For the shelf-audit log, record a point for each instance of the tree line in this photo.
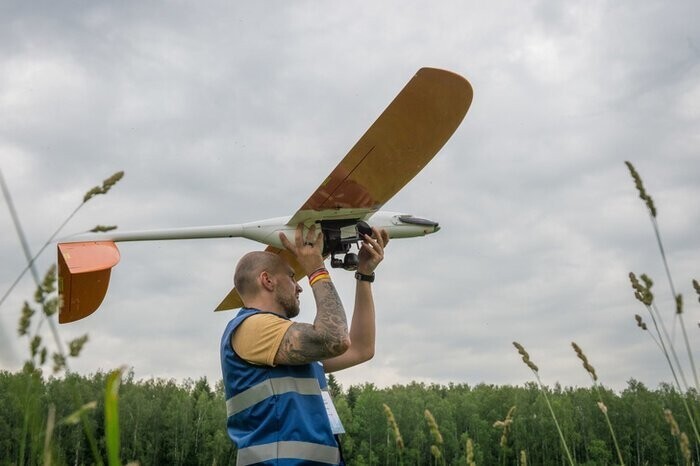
(166, 422)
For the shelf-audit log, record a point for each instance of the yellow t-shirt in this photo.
(258, 338)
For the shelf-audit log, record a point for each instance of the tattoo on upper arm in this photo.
(327, 337)
(299, 346)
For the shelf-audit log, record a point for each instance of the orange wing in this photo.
(405, 137)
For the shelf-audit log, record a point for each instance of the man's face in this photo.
(287, 292)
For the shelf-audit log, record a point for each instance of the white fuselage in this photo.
(267, 231)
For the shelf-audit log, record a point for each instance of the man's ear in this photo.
(266, 281)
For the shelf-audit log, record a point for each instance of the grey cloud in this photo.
(235, 112)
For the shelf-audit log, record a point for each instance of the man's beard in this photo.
(290, 304)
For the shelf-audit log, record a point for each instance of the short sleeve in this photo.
(258, 338)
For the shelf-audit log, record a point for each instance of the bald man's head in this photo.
(249, 269)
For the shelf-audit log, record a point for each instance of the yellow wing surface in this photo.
(405, 137)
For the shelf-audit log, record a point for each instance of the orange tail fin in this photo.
(83, 277)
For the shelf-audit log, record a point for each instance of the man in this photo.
(278, 407)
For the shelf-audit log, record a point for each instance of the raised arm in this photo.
(362, 329)
(328, 336)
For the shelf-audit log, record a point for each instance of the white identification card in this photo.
(336, 425)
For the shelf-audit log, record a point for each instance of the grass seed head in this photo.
(584, 359)
(92, 193)
(106, 186)
(435, 451)
(675, 431)
(640, 322)
(59, 362)
(112, 180)
(505, 425)
(696, 285)
(470, 452)
(75, 417)
(432, 424)
(526, 356)
(602, 407)
(34, 345)
(103, 228)
(48, 286)
(642, 292)
(50, 306)
(679, 303)
(76, 345)
(523, 458)
(25, 320)
(591, 370)
(685, 447)
(643, 195)
(394, 426)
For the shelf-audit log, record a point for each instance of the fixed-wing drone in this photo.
(405, 137)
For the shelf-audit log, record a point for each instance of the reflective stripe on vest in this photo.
(268, 388)
(298, 450)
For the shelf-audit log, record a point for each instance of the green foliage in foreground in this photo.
(163, 422)
(160, 421)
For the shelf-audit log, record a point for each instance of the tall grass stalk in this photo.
(504, 425)
(535, 370)
(683, 442)
(107, 184)
(645, 296)
(470, 452)
(604, 409)
(49, 305)
(30, 259)
(50, 422)
(112, 417)
(394, 427)
(436, 447)
(45, 297)
(651, 209)
(80, 416)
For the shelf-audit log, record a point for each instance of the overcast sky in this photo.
(227, 112)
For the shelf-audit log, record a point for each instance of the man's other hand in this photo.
(372, 251)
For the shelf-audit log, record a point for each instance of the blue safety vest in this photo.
(276, 415)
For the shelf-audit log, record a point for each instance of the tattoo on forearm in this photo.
(304, 343)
